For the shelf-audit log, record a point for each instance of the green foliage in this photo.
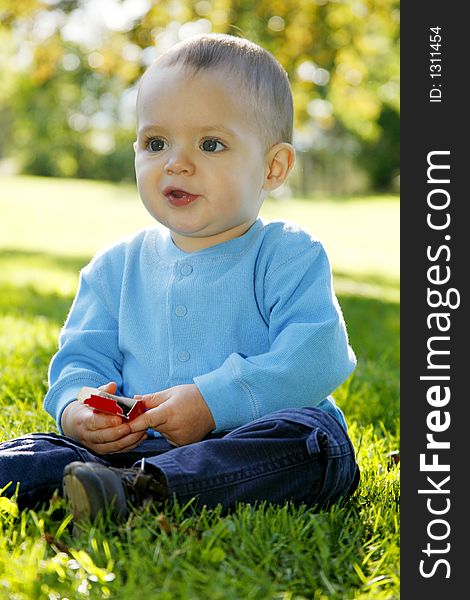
(258, 552)
(342, 58)
(381, 157)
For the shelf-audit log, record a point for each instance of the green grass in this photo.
(48, 230)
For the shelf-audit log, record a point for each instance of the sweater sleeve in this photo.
(88, 352)
(309, 355)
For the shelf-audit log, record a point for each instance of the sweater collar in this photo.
(168, 250)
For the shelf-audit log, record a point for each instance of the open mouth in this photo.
(179, 197)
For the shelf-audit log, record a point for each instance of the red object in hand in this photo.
(127, 408)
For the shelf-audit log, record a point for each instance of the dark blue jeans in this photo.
(301, 455)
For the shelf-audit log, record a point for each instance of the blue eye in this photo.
(156, 145)
(212, 145)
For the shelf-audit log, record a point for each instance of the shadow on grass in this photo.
(372, 393)
(28, 301)
(44, 259)
(377, 279)
(373, 326)
(32, 299)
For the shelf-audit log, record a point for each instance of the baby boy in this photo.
(224, 326)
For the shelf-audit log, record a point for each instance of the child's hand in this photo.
(179, 413)
(99, 431)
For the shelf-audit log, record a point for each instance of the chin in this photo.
(189, 230)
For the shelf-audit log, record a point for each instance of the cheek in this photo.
(147, 180)
(146, 168)
(250, 181)
(243, 176)
(139, 171)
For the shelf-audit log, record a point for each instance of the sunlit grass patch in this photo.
(34, 563)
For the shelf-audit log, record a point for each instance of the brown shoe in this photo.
(93, 488)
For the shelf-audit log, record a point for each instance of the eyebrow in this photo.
(202, 128)
(222, 128)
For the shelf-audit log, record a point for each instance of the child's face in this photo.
(200, 162)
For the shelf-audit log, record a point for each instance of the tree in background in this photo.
(69, 70)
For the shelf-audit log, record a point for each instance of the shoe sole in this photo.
(93, 490)
(77, 496)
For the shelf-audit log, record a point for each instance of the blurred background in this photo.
(69, 71)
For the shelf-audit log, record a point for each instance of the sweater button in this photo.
(180, 311)
(186, 270)
(183, 355)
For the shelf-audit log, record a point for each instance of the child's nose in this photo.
(179, 163)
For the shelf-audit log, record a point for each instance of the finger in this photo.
(107, 437)
(143, 436)
(155, 417)
(127, 443)
(110, 387)
(152, 400)
(107, 434)
(100, 420)
(122, 445)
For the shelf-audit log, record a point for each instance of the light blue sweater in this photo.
(253, 322)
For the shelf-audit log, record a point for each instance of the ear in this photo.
(279, 162)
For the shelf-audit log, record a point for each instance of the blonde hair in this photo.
(259, 73)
